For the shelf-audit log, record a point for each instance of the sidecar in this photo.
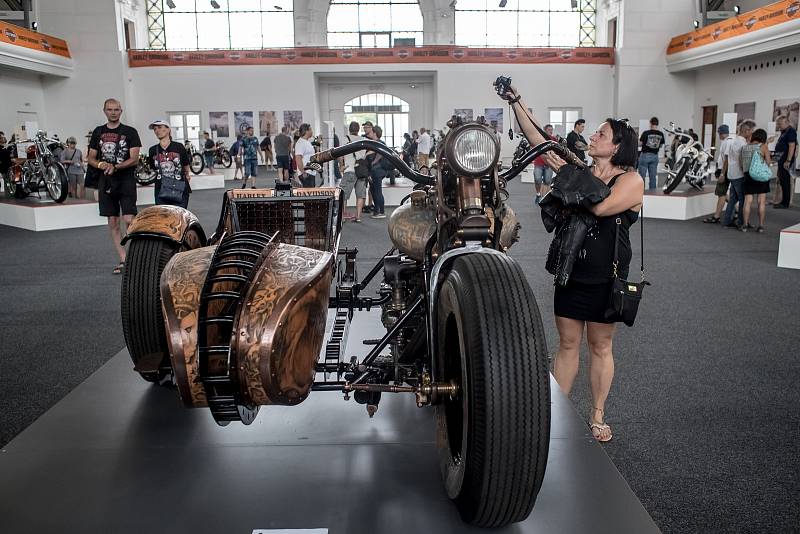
(239, 318)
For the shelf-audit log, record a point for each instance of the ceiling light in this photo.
(171, 4)
(696, 24)
(215, 4)
(737, 9)
(35, 26)
(574, 4)
(503, 3)
(279, 8)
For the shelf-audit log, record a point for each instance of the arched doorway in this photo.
(384, 110)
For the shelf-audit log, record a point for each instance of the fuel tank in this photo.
(412, 225)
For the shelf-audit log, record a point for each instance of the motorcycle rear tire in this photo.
(227, 161)
(142, 318)
(674, 180)
(59, 189)
(143, 177)
(494, 436)
(198, 163)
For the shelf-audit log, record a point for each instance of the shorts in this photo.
(348, 183)
(361, 187)
(115, 195)
(284, 162)
(75, 178)
(251, 167)
(422, 159)
(209, 158)
(542, 175)
(238, 161)
(754, 187)
(722, 188)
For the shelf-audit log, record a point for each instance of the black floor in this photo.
(322, 464)
(704, 403)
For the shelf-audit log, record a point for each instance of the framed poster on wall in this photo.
(267, 123)
(464, 113)
(787, 107)
(494, 118)
(293, 119)
(745, 110)
(218, 121)
(242, 120)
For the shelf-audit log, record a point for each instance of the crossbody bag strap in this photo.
(641, 233)
(617, 222)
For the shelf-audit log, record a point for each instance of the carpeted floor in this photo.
(705, 397)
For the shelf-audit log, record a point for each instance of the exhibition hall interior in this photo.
(393, 266)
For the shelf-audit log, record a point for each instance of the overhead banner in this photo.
(754, 20)
(327, 56)
(18, 36)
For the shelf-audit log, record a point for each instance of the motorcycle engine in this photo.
(403, 279)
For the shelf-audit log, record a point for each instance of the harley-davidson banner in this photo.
(326, 56)
(754, 20)
(18, 36)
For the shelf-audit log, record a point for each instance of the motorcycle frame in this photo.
(36, 167)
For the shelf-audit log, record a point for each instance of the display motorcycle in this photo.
(40, 169)
(145, 173)
(222, 156)
(239, 319)
(687, 159)
(198, 163)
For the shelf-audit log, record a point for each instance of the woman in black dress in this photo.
(581, 305)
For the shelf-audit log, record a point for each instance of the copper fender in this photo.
(281, 325)
(169, 222)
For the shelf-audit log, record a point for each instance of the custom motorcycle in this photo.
(40, 169)
(222, 156)
(238, 320)
(145, 173)
(198, 163)
(687, 159)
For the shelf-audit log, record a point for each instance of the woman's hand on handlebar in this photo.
(554, 161)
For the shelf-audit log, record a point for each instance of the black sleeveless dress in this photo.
(585, 297)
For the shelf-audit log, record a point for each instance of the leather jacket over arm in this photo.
(565, 212)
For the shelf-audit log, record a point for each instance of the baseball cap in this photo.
(723, 129)
(368, 123)
(157, 123)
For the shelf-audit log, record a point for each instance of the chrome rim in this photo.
(53, 182)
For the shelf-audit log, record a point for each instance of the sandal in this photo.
(711, 220)
(118, 268)
(602, 429)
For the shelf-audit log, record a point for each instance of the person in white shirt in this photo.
(303, 150)
(423, 148)
(722, 184)
(349, 179)
(732, 171)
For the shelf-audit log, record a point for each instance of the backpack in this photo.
(235, 149)
(361, 168)
(759, 170)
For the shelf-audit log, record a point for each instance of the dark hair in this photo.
(378, 131)
(546, 126)
(579, 121)
(354, 127)
(625, 138)
(759, 136)
(304, 128)
(654, 121)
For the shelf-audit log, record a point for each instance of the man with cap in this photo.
(722, 183)
(170, 161)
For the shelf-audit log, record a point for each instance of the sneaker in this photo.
(749, 226)
(760, 229)
(378, 216)
(357, 220)
(744, 229)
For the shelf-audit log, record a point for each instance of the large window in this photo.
(525, 23)
(386, 111)
(374, 23)
(220, 24)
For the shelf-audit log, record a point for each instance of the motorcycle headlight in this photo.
(473, 151)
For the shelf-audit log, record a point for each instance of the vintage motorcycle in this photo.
(222, 156)
(145, 173)
(239, 319)
(39, 169)
(198, 163)
(687, 159)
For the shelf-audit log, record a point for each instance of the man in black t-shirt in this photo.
(171, 161)
(575, 141)
(651, 140)
(209, 151)
(787, 148)
(114, 150)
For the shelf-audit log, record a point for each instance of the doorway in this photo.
(381, 109)
(709, 132)
(185, 125)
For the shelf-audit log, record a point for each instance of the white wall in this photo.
(719, 86)
(22, 91)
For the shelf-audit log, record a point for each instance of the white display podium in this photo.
(679, 205)
(526, 176)
(789, 248)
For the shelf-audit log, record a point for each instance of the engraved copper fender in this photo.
(172, 222)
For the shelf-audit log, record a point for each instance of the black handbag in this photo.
(625, 297)
(172, 191)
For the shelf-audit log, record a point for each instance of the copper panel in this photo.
(280, 327)
(181, 287)
(169, 221)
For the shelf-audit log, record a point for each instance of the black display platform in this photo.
(120, 455)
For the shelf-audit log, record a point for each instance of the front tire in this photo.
(494, 437)
(56, 181)
(198, 163)
(673, 180)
